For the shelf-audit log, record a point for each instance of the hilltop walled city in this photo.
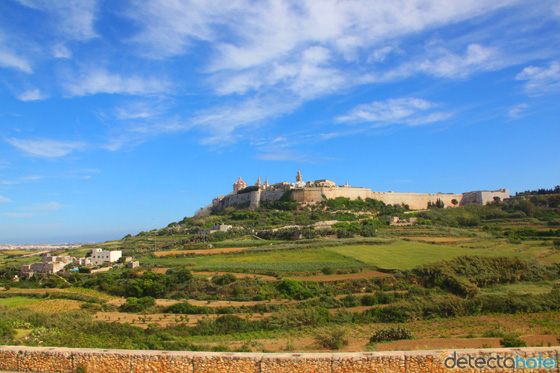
(312, 192)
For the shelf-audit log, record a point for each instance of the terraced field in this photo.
(407, 254)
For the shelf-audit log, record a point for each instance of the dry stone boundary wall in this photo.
(52, 359)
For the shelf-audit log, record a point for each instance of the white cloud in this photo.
(47, 148)
(541, 79)
(380, 54)
(21, 180)
(171, 26)
(48, 206)
(141, 110)
(83, 174)
(10, 60)
(221, 122)
(517, 110)
(102, 81)
(61, 51)
(74, 18)
(410, 111)
(450, 65)
(31, 95)
(4, 199)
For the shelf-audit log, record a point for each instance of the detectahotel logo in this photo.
(496, 361)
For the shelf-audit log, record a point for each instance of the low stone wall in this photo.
(51, 359)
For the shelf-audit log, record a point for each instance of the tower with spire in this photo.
(258, 183)
(299, 179)
(266, 184)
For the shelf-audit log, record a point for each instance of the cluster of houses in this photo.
(54, 264)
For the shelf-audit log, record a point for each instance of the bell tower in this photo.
(299, 179)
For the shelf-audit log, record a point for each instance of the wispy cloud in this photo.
(4, 199)
(61, 51)
(517, 110)
(47, 148)
(31, 95)
(48, 206)
(142, 109)
(410, 111)
(21, 180)
(221, 122)
(73, 18)
(451, 65)
(13, 61)
(84, 174)
(101, 81)
(541, 79)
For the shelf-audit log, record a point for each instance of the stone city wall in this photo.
(483, 197)
(416, 201)
(51, 359)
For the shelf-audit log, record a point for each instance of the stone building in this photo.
(48, 265)
(99, 256)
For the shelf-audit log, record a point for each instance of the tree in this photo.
(454, 202)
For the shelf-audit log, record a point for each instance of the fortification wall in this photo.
(416, 201)
(348, 192)
(234, 199)
(308, 195)
(272, 195)
(483, 197)
(50, 359)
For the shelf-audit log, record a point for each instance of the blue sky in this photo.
(117, 117)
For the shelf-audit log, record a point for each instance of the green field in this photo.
(407, 254)
(17, 301)
(284, 261)
(391, 255)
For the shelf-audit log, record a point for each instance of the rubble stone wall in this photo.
(52, 359)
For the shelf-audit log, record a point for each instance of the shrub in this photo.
(350, 301)
(137, 304)
(332, 337)
(6, 332)
(186, 308)
(495, 333)
(225, 279)
(511, 341)
(369, 300)
(390, 334)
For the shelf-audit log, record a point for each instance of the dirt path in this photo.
(346, 276)
(238, 275)
(223, 250)
(164, 319)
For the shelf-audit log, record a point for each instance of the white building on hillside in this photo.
(98, 256)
